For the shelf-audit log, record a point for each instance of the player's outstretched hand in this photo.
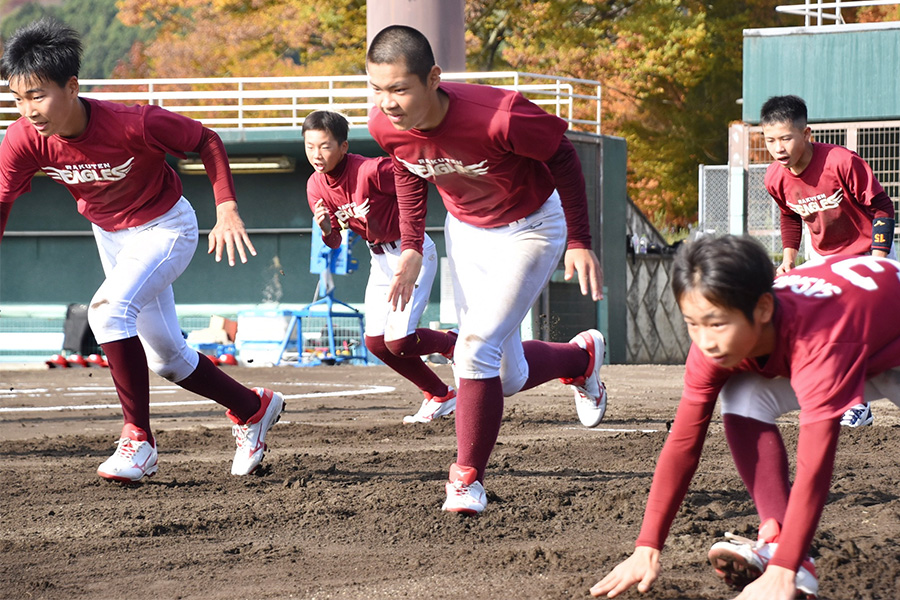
(641, 568)
(322, 217)
(404, 281)
(776, 583)
(590, 274)
(229, 233)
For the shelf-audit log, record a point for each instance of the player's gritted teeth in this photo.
(395, 118)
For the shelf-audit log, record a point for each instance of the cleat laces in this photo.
(740, 540)
(240, 435)
(459, 488)
(127, 448)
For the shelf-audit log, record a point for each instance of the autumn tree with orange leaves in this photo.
(246, 38)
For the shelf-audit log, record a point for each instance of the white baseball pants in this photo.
(754, 396)
(140, 265)
(498, 274)
(381, 318)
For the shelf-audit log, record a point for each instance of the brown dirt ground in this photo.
(346, 504)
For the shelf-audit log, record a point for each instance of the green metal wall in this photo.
(845, 73)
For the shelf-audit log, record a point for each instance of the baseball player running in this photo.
(111, 158)
(829, 188)
(497, 160)
(817, 340)
(349, 191)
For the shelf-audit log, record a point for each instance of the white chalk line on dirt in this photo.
(616, 430)
(371, 389)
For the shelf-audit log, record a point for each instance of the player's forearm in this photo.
(215, 160)
(568, 178)
(412, 200)
(791, 230)
(816, 450)
(789, 257)
(883, 205)
(674, 470)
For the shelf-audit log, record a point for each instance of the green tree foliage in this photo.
(106, 40)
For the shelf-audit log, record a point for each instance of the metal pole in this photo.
(441, 21)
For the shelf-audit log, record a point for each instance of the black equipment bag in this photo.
(77, 335)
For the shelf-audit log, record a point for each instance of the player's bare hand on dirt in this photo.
(590, 274)
(776, 583)
(404, 281)
(641, 568)
(322, 217)
(229, 234)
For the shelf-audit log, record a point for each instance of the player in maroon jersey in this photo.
(829, 188)
(817, 339)
(112, 158)
(514, 192)
(349, 191)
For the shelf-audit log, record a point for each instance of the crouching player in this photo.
(817, 340)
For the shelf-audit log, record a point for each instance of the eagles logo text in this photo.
(88, 173)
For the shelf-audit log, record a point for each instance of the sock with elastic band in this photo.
(761, 461)
(131, 377)
(479, 411)
(211, 382)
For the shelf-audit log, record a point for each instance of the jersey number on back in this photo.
(846, 269)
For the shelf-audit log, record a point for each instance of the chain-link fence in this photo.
(877, 143)
(713, 203)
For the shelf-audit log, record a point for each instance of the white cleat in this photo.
(465, 494)
(858, 415)
(590, 393)
(135, 457)
(740, 560)
(250, 437)
(433, 407)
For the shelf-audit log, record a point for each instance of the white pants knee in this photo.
(498, 274)
(136, 298)
(754, 396)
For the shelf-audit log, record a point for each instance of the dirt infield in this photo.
(346, 504)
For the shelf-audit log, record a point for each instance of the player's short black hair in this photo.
(401, 43)
(327, 120)
(784, 109)
(731, 272)
(45, 50)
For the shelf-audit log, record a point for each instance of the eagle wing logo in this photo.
(54, 173)
(362, 209)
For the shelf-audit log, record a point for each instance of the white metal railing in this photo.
(818, 10)
(244, 102)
